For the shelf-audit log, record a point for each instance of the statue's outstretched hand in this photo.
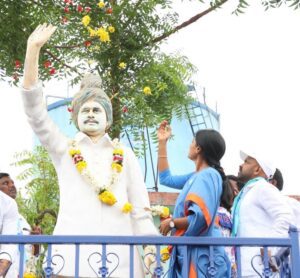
(41, 35)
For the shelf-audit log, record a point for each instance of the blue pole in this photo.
(295, 256)
(21, 260)
(77, 260)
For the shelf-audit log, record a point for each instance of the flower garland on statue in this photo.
(104, 192)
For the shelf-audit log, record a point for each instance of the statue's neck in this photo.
(95, 138)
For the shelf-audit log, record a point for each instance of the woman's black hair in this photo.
(213, 147)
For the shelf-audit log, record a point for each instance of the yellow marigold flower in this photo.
(101, 4)
(29, 275)
(165, 212)
(127, 208)
(164, 254)
(74, 151)
(103, 35)
(147, 91)
(107, 197)
(86, 20)
(81, 165)
(111, 29)
(93, 33)
(122, 65)
(117, 167)
(118, 151)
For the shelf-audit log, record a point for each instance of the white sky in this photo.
(248, 64)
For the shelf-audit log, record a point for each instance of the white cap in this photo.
(267, 166)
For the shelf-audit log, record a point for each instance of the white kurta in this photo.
(14, 268)
(8, 226)
(81, 212)
(263, 213)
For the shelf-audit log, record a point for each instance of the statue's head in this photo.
(91, 107)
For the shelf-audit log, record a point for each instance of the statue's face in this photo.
(92, 118)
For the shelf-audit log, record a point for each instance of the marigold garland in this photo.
(104, 192)
(164, 254)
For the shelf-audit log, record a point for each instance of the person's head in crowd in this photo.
(7, 185)
(277, 179)
(208, 147)
(254, 166)
(230, 192)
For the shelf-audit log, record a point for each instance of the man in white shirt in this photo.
(259, 210)
(7, 186)
(99, 179)
(8, 226)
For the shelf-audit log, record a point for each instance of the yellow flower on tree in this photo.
(101, 4)
(103, 35)
(86, 20)
(147, 91)
(81, 165)
(127, 208)
(164, 254)
(122, 65)
(107, 197)
(93, 33)
(117, 167)
(111, 29)
(165, 212)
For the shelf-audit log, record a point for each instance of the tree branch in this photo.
(41, 216)
(59, 60)
(190, 21)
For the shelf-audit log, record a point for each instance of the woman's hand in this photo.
(40, 35)
(164, 227)
(164, 131)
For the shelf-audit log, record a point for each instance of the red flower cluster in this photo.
(77, 157)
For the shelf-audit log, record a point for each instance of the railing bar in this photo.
(185, 261)
(131, 253)
(21, 260)
(139, 240)
(238, 262)
(77, 260)
(49, 260)
(103, 261)
(266, 263)
(211, 261)
(295, 251)
(158, 265)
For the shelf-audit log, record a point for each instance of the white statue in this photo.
(99, 179)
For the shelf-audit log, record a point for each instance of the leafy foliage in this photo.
(40, 203)
(120, 40)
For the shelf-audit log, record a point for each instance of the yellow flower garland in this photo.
(104, 193)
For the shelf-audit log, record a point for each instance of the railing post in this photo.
(21, 260)
(103, 271)
(295, 255)
(48, 269)
(131, 254)
(77, 260)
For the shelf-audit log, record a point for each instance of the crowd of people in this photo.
(102, 191)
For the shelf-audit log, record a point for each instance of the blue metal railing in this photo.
(288, 256)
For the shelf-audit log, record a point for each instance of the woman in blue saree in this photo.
(197, 204)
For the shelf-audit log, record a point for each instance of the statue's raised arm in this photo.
(34, 103)
(34, 44)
